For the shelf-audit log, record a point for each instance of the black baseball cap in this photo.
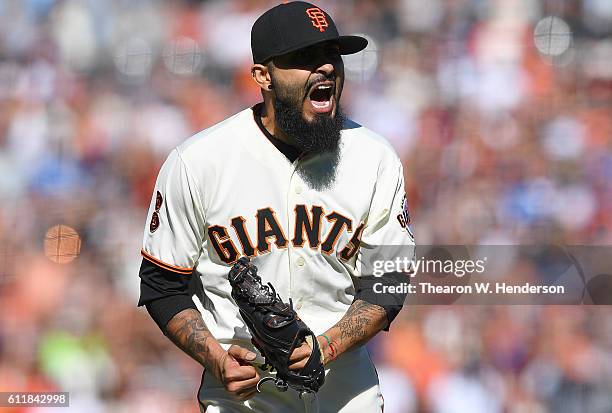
(295, 25)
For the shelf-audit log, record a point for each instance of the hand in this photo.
(301, 354)
(236, 373)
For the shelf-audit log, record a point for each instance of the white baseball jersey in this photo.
(229, 192)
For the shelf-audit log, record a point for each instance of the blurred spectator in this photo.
(503, 125)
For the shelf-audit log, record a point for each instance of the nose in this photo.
(326, 69)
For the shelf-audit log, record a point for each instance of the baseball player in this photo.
(302, 191)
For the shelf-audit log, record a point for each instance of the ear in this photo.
(261, 76)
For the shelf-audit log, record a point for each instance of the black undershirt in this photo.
(166, 293)
(291, 152)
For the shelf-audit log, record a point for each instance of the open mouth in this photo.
(321, 97)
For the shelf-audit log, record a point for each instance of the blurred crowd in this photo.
(501, 111)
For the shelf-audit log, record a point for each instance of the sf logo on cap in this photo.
(318, 18)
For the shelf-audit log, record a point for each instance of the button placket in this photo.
(291, 193)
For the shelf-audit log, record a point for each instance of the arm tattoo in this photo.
(188, 332)
(362, 321)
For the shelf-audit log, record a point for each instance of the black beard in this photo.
(318, 136)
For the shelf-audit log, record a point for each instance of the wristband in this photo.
(334, 351)
(326, 338)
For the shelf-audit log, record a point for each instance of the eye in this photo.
(311, 55)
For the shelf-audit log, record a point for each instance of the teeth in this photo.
(323, 87)
(321, 105)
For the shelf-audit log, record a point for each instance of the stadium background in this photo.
(500, 111)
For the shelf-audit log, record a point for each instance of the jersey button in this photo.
(298, 189)
(300, 262)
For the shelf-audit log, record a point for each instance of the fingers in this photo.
(239, 380)
(237, 373)
(245, 389)
(241, 354)
(301, 352)
(299, 357)
(298, 365)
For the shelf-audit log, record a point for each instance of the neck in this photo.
(269, 122)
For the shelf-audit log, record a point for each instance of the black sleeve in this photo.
(392, 303)
(165, 293)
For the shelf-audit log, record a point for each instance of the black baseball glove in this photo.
(276, 329)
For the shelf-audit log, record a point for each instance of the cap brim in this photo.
(352, 44)
(348, 45)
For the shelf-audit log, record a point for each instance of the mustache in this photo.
(320, 78)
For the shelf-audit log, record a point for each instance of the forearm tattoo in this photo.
(360, 323)
(188, 331)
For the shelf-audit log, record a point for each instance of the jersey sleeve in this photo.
(386, 236)
(388, 222)
(174, 231)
